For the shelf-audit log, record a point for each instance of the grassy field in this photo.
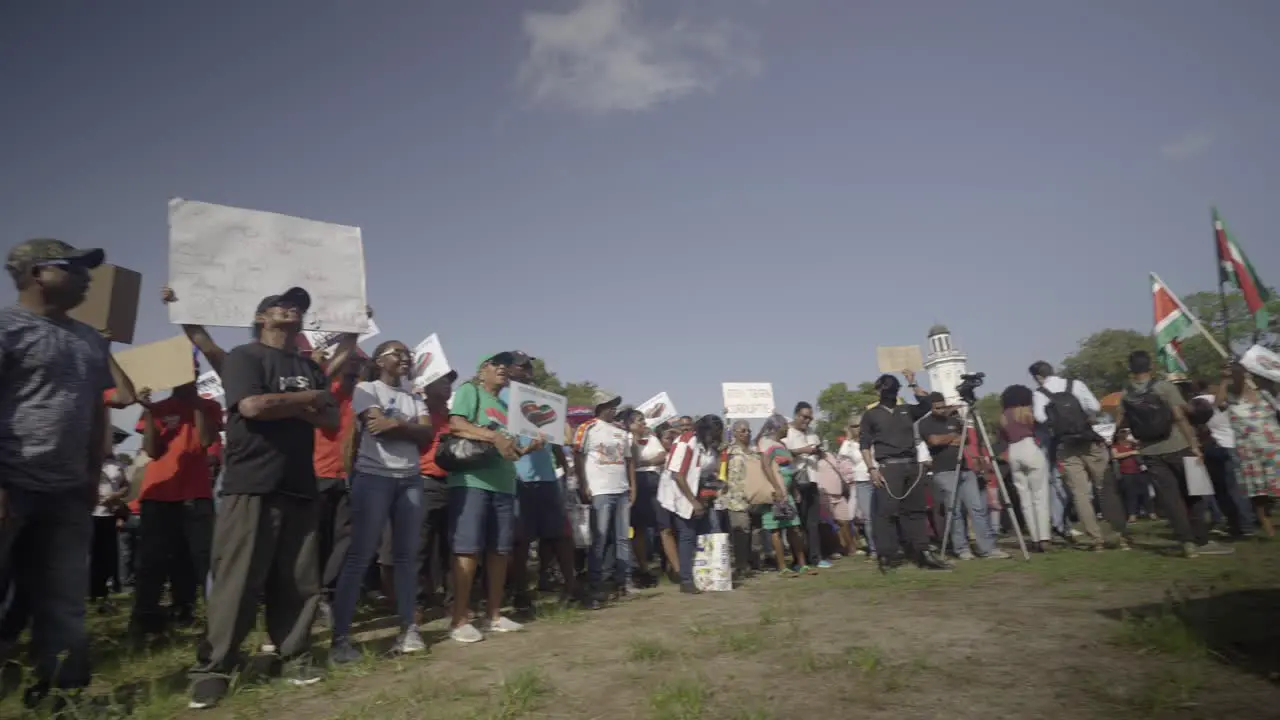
(1139, 634)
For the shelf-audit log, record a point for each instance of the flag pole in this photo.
(1222, 293)
(1194, 320)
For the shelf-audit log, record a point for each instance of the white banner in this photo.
(209, 385)
(657, 410)
(533, 413)
(748, 400)
(322, 340)
(429, 362)
(224, 260)
(1262, 362)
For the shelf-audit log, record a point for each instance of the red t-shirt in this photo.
(440, 424)
(1129, 465)
(182, 471)
(327, 456)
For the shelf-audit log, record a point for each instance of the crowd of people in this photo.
(339, 476)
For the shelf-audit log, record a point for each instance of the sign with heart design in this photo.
(541, 414)
(429, 362)
(209, 385)
(1262, 362)
(657, 410)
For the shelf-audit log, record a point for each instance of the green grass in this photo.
(682, 699)
(640, 650)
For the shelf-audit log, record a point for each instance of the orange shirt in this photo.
(327, 457)
(440, 424)
(182, 471)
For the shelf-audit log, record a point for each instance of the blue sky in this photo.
(670, 194)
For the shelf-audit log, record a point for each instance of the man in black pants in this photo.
(265, 536)
(807, 449)
(888, 441)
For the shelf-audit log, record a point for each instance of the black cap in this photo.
(294, 297)
(519, 357)
(26, 255)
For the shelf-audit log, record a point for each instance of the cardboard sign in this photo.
(895, 359)
(322, 340)
(111, 304)
(747, 401)
(429, 362)
(534, 413)
(1262, 362)
(209, 386)
(160, 365)
(657, 410)
(224, 260)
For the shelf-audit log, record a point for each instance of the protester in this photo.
(806, 447)
(694, 454)
(1218, 441)
(332, 462)
(956, 484)
(52, 448)
(1154, 411)
(862, 486)
(783, 515)
(435, 553)
(606, 473)
(386, 484)
(1028, 463)
(739, 454)
(266, 532)
(650, 457)
(1252, 411)
(104, 559)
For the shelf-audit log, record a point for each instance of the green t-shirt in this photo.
(1176, 442)
(482, 409)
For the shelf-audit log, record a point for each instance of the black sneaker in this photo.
(689, 589)
(207, 692)
(301, 672)
(930, 560)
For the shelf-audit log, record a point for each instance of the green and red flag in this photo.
(1172, 324)
(1235, 270)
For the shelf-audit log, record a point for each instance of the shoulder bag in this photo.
(459, 455)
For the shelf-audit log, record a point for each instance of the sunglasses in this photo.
(400, 353)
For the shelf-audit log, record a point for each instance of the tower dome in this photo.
(939, 329)
(945, 362)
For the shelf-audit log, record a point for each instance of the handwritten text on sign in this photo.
(224, 260)
(748, 400)
(534, 413)
(322, 340)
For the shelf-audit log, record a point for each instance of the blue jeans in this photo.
(973, 500)
(612, 514)
(865, 495)
(1223, 465)
(687, 543)
(374, 500)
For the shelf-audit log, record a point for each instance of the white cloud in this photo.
(601, 57)
(1189, 145)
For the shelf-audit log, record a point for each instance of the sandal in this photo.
(788, 574)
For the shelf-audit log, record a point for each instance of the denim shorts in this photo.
(482, 521)
(540, 513)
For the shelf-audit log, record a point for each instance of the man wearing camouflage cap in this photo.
(55, 372)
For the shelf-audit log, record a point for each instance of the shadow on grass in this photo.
(1235, 628)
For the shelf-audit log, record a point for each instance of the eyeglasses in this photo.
(397, 352)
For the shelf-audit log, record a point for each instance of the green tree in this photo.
(1102, 359)
(988, 408)
(1202, 360)
(578, 393)
(837, 404)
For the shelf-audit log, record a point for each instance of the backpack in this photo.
(1149, 417)
(1067, 417)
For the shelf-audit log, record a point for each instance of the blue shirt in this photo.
(536, 466)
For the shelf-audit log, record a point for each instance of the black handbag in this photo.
(459, 455)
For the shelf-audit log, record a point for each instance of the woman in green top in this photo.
(482, 501)
(781, 515)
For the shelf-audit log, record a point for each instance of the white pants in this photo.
(1031, 478)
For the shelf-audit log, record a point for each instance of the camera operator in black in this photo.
(888, 444)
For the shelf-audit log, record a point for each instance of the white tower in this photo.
(945, 364)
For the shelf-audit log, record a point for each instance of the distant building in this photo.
(945, 364)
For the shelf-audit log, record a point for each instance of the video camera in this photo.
(969, 383)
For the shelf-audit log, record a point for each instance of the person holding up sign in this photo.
(265, 534)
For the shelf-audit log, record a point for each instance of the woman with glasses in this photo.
(385, 484)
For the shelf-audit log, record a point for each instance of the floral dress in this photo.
(734, 495)
(1258, 444)
(783, 461)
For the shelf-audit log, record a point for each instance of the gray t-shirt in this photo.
(379, 456)
(52, 377)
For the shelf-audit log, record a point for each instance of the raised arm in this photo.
(199, 337)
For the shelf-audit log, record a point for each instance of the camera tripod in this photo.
(968, 419)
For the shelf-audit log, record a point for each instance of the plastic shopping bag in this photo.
(582, 526)
(712, 565)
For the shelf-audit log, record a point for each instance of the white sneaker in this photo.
(410, 641)
(504, 625)
(268, 648)
(997, 554)
(466, 634)
(965, 555)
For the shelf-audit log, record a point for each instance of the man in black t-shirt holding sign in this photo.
(266, 533)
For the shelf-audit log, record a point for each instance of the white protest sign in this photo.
(209, 385)
(1262, 362)
(534, 413)
(224, 260)
(322, 340)
(429, 362)
(657, 410)
(748, 400)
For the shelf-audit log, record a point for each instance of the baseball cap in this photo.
(503, 358)
(47, 251)
(294, 296)
(519, 357)
(604, 397)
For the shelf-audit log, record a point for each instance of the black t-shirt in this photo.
(944, 456)
(266, 456)
(891, 432)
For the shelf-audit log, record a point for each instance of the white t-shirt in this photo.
(110, 482)
(651, 455)
(605, 448)
(850, 449)
(1219, 425)
(690, 457)
(380, 456)
(796, 439)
